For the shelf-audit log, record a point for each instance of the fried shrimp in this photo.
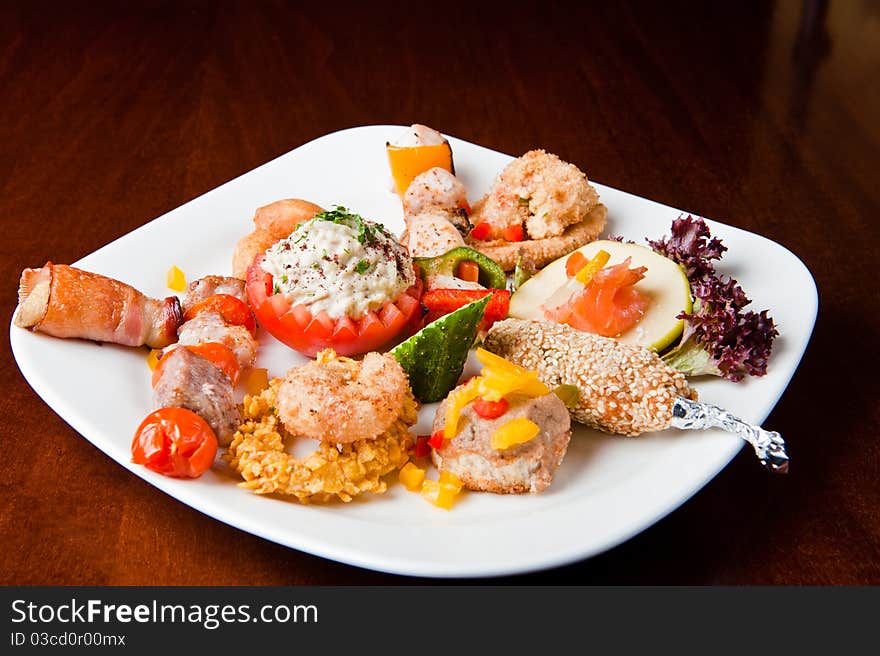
(272, 223)
(340, 400)
(258, 453)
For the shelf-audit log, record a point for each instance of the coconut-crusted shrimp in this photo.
(340, 400)
(539, 191)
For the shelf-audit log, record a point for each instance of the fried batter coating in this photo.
(272, 222)
(340, 400)
(258, 453)
(540, 191)
(543, 251)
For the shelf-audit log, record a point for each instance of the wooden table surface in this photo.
(759, 114)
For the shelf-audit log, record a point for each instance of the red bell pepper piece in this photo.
(513, 233)
(481, 231)
(443, 301)
(436, 440)
(423, 449)
(490, 409)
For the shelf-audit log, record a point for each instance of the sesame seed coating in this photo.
(623, 389)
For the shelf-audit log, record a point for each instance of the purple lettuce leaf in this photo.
(719, 337)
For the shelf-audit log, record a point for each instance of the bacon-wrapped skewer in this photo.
(203, 288)
(64, 301)
(215, 341)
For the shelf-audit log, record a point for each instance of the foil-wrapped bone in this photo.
(768, 445)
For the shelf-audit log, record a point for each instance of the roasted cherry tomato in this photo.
(233, 310)
(296, 327)
(220, 355)
(174, 442)
(490, 409)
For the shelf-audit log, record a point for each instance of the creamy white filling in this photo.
(326, 267)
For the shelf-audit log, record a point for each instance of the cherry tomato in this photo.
(175, 442)
(490, 409)
(233, 310)
(296, 327)
(220, 355)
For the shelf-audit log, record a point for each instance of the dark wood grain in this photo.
(763, 115)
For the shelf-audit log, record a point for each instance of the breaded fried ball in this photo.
(340, 400)
(539, 191)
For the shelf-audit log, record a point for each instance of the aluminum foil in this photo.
(769, 446)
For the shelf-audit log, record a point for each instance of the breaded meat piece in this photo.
(527, 467)
(543, 251)
(626, 390)
(340, 400)
(539, 191)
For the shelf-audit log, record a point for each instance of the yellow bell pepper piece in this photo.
(585, 275)
(412, 477)
(497, 363)
(255, 379)
(407, 162)
(516, 431)
(494, 385)
(442, 496)
(497, 379)
(450, 480)
(457, 400)
(153, 358)
(175, 279)
(500, 378)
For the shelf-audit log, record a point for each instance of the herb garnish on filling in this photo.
(365, 231)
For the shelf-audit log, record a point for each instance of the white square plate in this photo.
(607, 489)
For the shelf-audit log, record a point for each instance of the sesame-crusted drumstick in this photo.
(622, 389)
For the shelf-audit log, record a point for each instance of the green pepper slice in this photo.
(492, 276)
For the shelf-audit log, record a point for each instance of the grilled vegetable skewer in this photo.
(622, 389)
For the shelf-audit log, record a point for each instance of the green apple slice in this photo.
(664, 283)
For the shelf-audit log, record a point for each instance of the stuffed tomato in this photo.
(339, 281)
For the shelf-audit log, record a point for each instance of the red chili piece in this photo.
(490, 409)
